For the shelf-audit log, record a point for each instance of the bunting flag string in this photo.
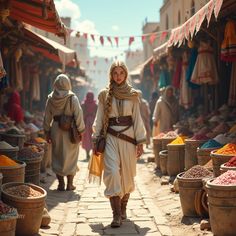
(161, 35)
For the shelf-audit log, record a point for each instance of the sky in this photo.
(110, 18)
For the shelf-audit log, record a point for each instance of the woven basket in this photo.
(191, 146)
(218, 160)
(203, 155)
(157, 147)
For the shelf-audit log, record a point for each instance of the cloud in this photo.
(67, 8)
(115, 28)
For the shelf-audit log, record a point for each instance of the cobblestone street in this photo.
(87, 212)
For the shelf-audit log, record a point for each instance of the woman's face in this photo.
(118, 75)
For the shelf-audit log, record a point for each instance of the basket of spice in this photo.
(32, 155)
(8, 217)
(191, 146)
(221, 156)
(157, 147)
(8, 150)
(175, 159)
(168, 138)
(12, 170)
(204, 151)
(14, 136)
(29, 200)
(230, 165)
(221, 193)
(190, 188)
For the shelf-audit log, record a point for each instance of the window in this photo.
(179, 18)
(167, 22)
(192, 10)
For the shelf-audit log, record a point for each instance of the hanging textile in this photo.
(205, 68)
(2, 70)
(232, 88)
(177, 74)
(228, 46)
(185, 98)
(35, 86)
(189, 71)
(164, 79)
(3, 78)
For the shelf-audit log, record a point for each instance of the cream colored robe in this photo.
(64, 153)
(164, 116)
(120, 156)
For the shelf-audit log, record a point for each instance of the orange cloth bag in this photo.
(95, 166)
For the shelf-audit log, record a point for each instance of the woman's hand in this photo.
(139, 150)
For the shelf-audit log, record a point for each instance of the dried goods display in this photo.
(197, 172)
(6, 161)
(228, 178)
(30, 152)
(23, 191)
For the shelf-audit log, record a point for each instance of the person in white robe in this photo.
(64, 153)
(118, 117)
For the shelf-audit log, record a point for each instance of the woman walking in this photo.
(89, 108)
(118, 117)
(64, 153)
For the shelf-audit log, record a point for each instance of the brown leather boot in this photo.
(70, 185)
(116, 210)
(124, 201)
(61, 185)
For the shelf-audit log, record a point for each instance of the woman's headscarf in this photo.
(168, 99)
(61, 91)
(123, 90)
(14, 109)
(89, 104)
(119, 91)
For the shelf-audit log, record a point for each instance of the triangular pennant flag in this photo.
(152, 38)
(218, 4)
(163, 36)
(109, 40)
(131, 40)
(209, 11)
(85, 35)
(92, 36)
(101, 40)
(117, 41)
(143, 38)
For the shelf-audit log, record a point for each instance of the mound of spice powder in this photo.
(179, 140)
(228, 178)
(197, 172)
(6, 161)
(231, 162)
(228, 149)
(23, 191)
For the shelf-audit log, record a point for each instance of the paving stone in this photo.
(127, 228)
(68, 229)
(165, 230)
(146, 227)
(89, 229)
(52, 229)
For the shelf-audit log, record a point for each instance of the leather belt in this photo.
(121, 121)
(119, 135)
